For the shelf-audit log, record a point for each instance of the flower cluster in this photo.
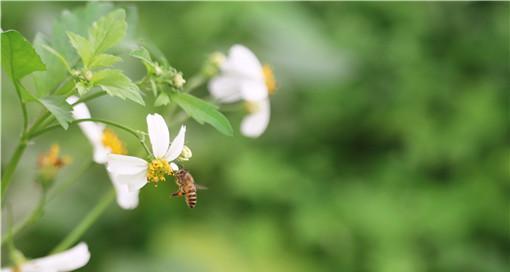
(237, 77)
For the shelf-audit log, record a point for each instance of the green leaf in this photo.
(104, 60)
(202, 112)
(58, 106)
(108, 31)
(82, 46)
(18, 56)
(59, 56)
(47, 81)
(162, 100)
(115, 83)
(142, 54)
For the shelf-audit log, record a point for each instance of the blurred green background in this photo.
(387, 148)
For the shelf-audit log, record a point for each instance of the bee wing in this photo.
(201, 187)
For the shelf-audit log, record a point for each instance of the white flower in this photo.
(104, 142)
(242, 77)
(68, 260)
(136, 172)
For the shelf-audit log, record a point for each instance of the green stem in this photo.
(86, 222)
(11, 167)
(31, 219)
(129, 130)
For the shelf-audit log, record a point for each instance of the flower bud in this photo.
(186, 154)
(157, 70)
(87, 74)
(213, 64)
(178, 80)
(49, 164)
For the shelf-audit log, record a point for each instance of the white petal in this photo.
(125, 165)
(93, 131)
(225, 89)
(101, 154)
(125, 198)
(254, 90)
(174, 167)
(177, 145)
(68, 260)
(158, 134)
(242, 62)
(133, 182)
(256, 123)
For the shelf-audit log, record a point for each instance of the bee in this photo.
(187, 187)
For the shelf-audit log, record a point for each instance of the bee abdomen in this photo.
(191, 199)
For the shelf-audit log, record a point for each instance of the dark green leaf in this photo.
(202, 112)
(58, 106)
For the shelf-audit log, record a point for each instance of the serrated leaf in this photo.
(83, 47)
(115, 83)
(108, 31)
(47, 81)
(202, 112)
(162, 100)
(141, 53)
(59, 108)
(18, 56)
(104, 60)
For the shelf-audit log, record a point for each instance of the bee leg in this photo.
(177, 194)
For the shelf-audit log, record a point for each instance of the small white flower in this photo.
(68, 260)
(104, 142)
(242, 77)
(136, 172)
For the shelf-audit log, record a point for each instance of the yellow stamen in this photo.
(158, 170)
(269, 79)
(111, 140)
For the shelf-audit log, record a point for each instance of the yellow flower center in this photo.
(112, 141)
(158, 170)
(269, 79)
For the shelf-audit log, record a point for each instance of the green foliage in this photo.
(202, 111)
(19, 59)
(115, 83)
(105, 33)
(59, 108)
(18, 56)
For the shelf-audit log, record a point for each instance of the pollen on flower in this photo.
(269, 79)
(112, 141)
(158, 170)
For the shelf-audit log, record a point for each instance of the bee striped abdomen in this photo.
(191, 198)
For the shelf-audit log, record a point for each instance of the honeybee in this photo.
(187, 187)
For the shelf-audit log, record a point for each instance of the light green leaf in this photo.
(202, 112)
(108, 30)
(104, 60)
(142, 54)
(47, 81)
(82, 46)
(81, 88)
(59, 56)
(58, 106)
(115, 83)
(162, 100)
(18, 56)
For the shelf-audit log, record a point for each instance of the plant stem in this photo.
(194, 82)
(9, 170)
(86, 222)
(129, 130)
(32, 218)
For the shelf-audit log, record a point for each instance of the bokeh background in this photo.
(387, 148)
